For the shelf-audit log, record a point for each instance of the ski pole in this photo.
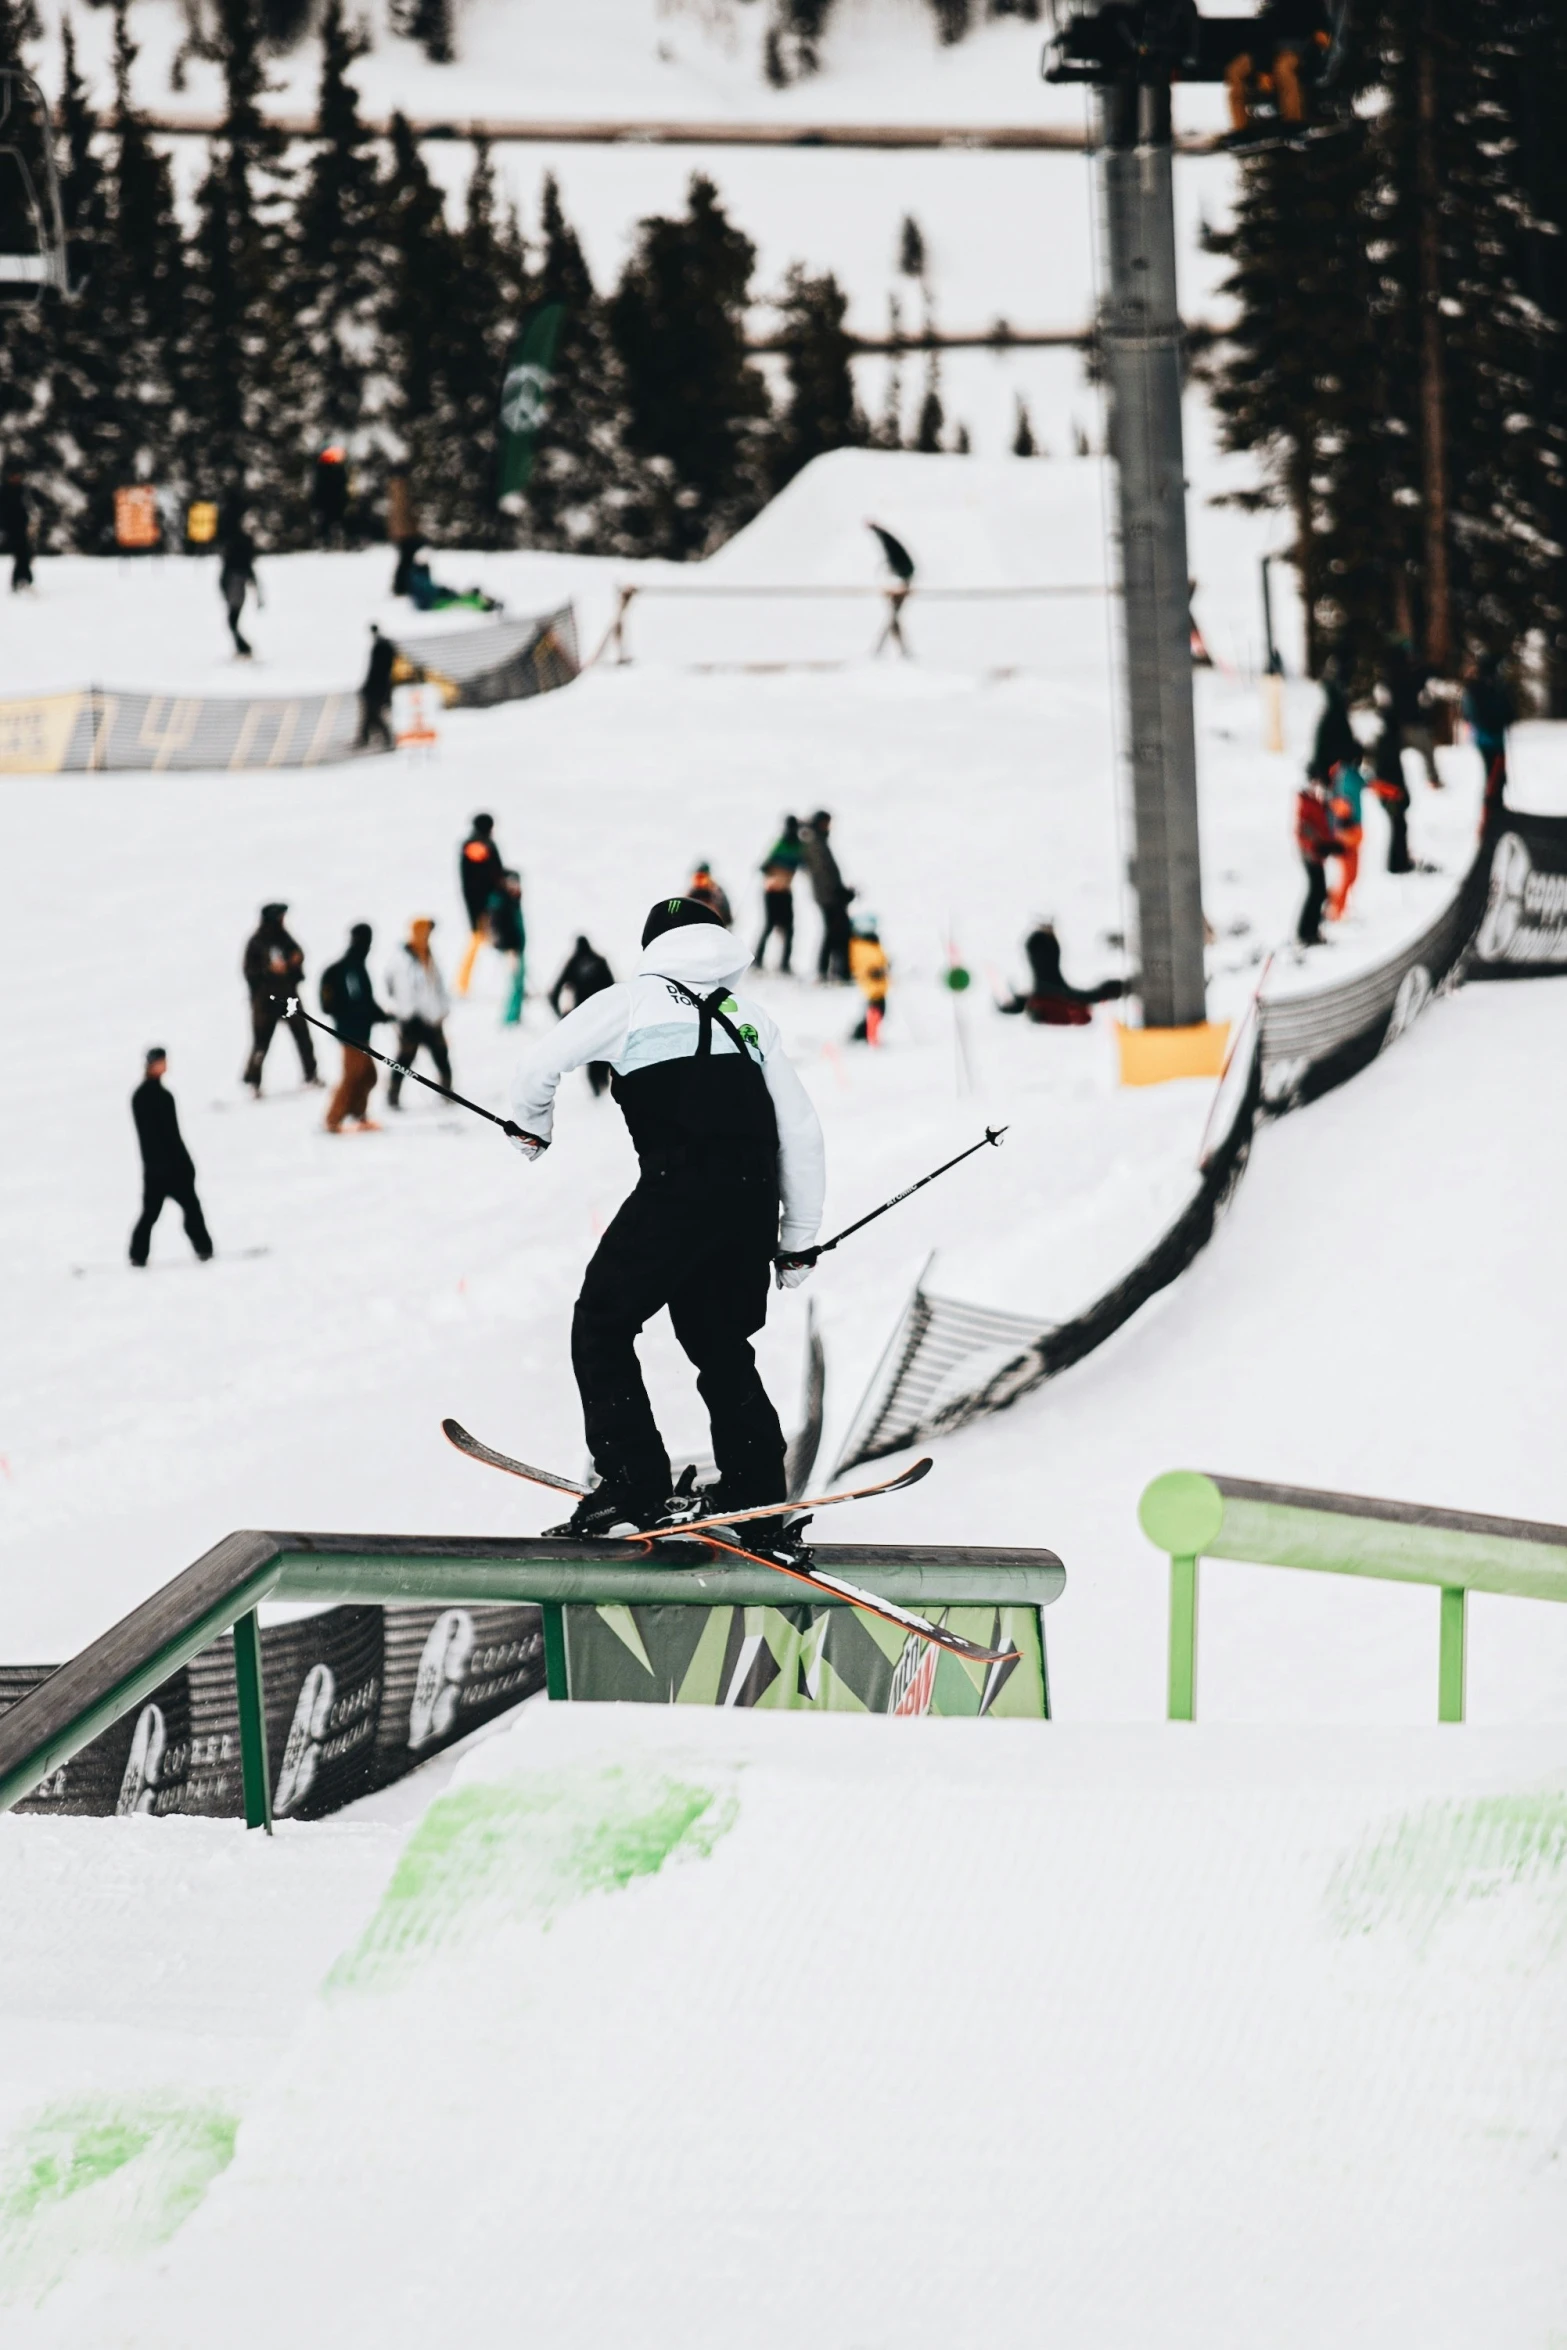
(789, 1258)
(291, 1005)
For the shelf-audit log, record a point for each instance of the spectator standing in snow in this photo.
(1387, 781)
(1052, 1001)
(274, 968)
(779, 867)
(585, 974)
(420, 1001)
(375, 695)
(16, 526)
(832, 896)
(868, 969)
(1408, 686)
(706, 892)
(166, 1169)
(1344, 801)
(1314, 838)
(1488, 713)
(480, 869)
(237, 577)
(509, 932)
(348, 1000)
(1335, 742)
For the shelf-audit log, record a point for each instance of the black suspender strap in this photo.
(707, 1012)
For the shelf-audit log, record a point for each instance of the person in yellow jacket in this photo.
(868, 968)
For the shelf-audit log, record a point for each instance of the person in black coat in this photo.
(1052, 1001)
(166, 1169)
(274, 970)
(348, 1000)
(375, 695)
(586, 973)
(237, 577)
(1336, 743)
(16, 526)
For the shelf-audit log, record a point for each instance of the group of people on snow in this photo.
(1329, 807)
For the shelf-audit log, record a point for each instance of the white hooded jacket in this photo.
(641, 1021)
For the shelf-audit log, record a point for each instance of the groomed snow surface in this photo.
(701, 2029)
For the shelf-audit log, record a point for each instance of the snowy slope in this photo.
(426, 1270)
(683, 2030)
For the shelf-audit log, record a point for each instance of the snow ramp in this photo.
(677, 2027)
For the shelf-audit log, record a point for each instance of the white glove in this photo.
(532, 1146)
(789, 1271)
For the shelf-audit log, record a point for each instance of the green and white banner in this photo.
(826, 1659)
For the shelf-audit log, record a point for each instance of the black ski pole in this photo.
(291, 1005)
(787, 1259)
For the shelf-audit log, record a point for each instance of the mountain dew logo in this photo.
(914, 1678)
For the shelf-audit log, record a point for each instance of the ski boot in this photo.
(780, 1537)
(611, 1513)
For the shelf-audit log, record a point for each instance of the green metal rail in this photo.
(1192, 1516)
(226, 1586)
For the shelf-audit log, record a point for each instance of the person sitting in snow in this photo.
(1052, 1001)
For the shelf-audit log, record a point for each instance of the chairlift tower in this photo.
(1140, 345)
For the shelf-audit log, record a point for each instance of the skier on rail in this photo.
(732, 1175)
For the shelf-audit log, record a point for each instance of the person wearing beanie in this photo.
(420, 1001)
(348, 1000)
(732, 1173)
(166, 1169)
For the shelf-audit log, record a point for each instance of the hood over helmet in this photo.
(704, 955)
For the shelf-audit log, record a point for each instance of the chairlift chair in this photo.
(32, 228)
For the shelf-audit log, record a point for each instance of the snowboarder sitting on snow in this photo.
(166, 1169)
(732, 1176)
(1052, 1001)
(868, 968)
(348, 1000)
(584, 974)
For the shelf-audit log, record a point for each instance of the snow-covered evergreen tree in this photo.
(820, 411)
(586, 490)
(698, 410)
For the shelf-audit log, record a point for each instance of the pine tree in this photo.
(486, 300)
(1023, 441)
(927, 433)
(429, 22)
(586, 491)
(237, 302)
(330, 385)
(698, 410)
(422, 263)
(888, 431)
(911, 248)
(821, 411)
(35, 392)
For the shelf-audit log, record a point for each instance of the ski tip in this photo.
(455, 1433)
(921, 1468)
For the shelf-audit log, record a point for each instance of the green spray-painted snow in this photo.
(102, 2177)
(524, 1850)
(1439, 1861)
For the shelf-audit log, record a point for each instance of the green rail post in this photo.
(1183, 1640)
(251, 1691)
(1450, 1665)
(556, 1679)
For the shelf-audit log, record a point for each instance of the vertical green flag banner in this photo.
(525, 396)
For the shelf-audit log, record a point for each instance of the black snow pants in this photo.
(1309, 928)
(411, 1034)
(173, 1185)
(264, 1018)
(697, 1235)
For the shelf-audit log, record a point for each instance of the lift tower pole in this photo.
(1140, 339)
